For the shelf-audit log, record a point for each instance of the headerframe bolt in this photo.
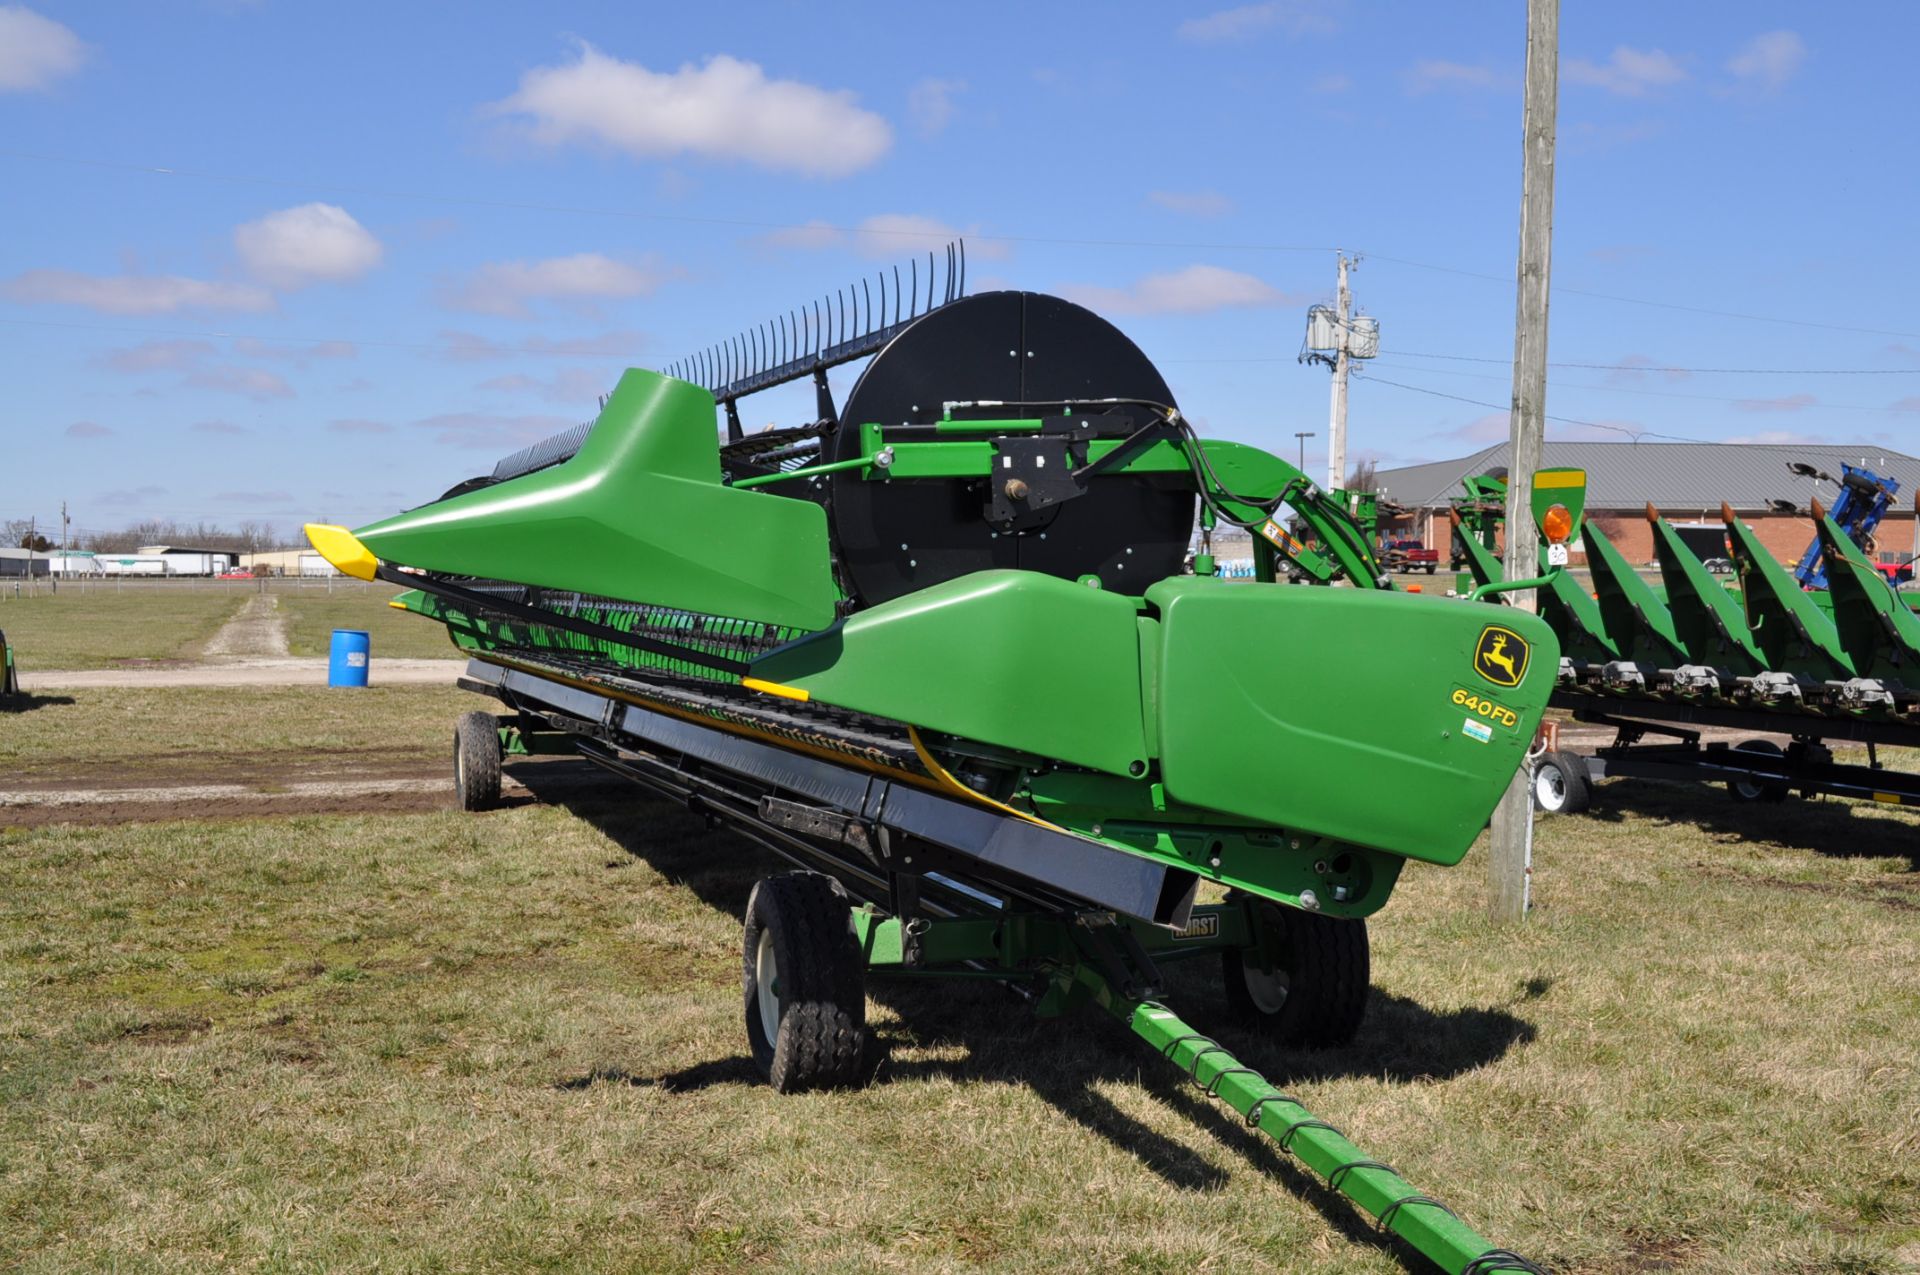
(1309, 900)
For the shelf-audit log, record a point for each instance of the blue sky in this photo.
(398, 241)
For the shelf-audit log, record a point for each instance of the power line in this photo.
(1701, 371)
(1635, 434)
(1646, 393)
(1658, 305)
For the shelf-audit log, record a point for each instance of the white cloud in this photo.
(887, 237)
(577, 385)
(471, 347)
(87, 429)
(1628, 72)
(1769, 60)
(1788, 403)
(814, 234)
(1494, 427)
(158, 356)
(1333, 82)
(132, 294)
(1194, 290)
(217, 427)
(727, 109)
(1776, 437)
(1194, 203)
(1295, 17)
(359, 427)
(1634, 368)
(313, 243)
(494, 433)
(1431, 74)
(505, 287)
(930, 103)
(255, 383)
(890, 236)
(295, 352)
(35, 51)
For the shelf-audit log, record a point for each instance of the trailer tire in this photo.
(1749, 790)
(1316, 993)
(803, 984)
(476, 760)
(1561, 785)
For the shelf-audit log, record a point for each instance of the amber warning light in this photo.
(1557, 525)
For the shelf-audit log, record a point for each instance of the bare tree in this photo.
(1364, 476)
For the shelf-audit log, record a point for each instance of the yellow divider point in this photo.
(343, 549)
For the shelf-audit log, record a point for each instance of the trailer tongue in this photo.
(936, 649)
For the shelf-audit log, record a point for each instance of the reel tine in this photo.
(929, 280)
(947, 296)
(896, 294)
(841, 329)
(963, 268)
(913, 305)
(869, 292)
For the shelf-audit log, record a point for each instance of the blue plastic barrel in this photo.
(348, 657)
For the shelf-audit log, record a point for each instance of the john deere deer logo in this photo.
(1500, 656)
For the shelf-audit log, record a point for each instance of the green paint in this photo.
(1880, 632)
(1707, 620)
(1011, 658)
(1793, 633)
(1637, 623)
(639, 513)
(1370, 744)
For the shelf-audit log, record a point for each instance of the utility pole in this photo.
(1510, 839)
(1337, 422)
(1303, 436)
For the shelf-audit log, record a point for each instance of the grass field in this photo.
(511, 1042)
(312, 615)
(100, 627)
(144, 733)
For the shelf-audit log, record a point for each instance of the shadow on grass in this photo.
(978, 1032)
(26, 703)
(1833, 826)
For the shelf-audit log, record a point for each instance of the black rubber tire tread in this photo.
(1770, 793)
(476, 760)
(1573, 772)
(1329, 976)
(822, 1037)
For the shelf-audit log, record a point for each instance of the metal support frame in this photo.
(1805, 766)
(952, 891)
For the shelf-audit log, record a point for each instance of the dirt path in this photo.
(256, 629)
(255, 671)
(277, 787)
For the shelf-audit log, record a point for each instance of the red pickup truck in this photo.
(1409, 555)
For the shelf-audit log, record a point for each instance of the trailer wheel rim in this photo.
(766, 986)
(1549, 788)
(1267, 989)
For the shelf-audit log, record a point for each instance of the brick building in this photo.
(1685, 481)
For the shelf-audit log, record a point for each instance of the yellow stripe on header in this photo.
(774, 688)
(1549, 478)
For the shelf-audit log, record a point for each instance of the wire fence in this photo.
(20, 589)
